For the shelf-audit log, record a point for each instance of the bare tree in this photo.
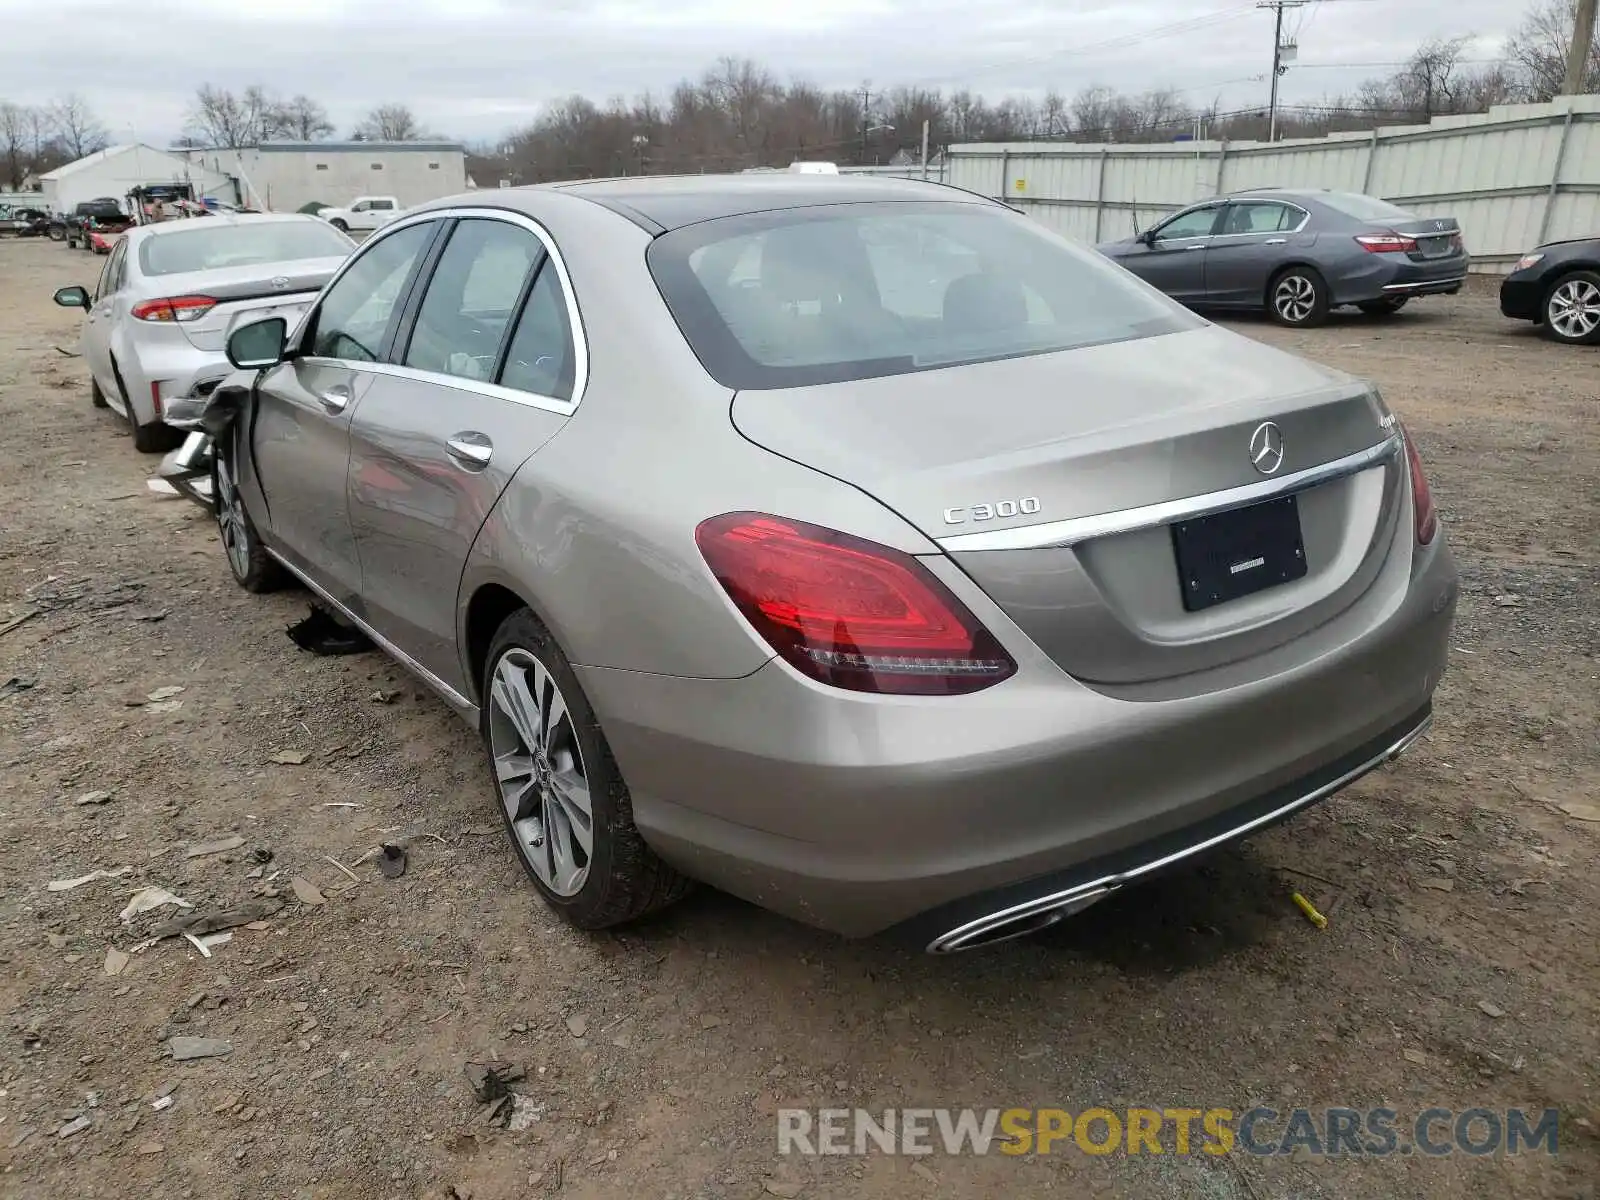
(226, 120)
(302, 119)
(75, 123)
(14, 142)
(1537, 52)
(391, 123)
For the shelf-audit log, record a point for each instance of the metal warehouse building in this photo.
(114, 170)
(284, 176)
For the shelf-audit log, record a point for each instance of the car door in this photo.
(1173, 254)
(300, 435)
(1250, 243)
(487, 371)
(100, 321)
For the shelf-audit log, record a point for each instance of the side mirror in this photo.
(72, 297)
(258, 344)
(1148, 237)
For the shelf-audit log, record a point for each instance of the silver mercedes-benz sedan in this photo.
(169, 293)
(857, 546)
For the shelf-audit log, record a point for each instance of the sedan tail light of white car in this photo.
(174, 308)
(849, 612)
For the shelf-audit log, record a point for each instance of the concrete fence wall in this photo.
(1515, 176)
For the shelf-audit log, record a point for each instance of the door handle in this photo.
(1277, 242)
(336, 398)
(1191, 247)
(470, 449)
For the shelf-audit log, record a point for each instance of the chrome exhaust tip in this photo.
(1018, 921)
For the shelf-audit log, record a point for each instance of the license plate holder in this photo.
(1237, 553)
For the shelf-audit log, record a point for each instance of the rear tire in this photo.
(154, 438)
(547, 752)
(1386, 307)
(96, 396)
(1571, 309)
(252, 567)
(1298, 297)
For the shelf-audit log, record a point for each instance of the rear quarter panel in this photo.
(596, 532)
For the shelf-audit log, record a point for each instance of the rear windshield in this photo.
(210, 246)
(1365, 208)
(854, 291)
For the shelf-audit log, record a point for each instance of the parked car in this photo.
(855, 545)
(1297, 254)
(364, 212)
(104, 214)
(24, 222)
(159, 318)
(1557, 287)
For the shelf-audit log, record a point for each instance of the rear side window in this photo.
(471, 299)
(854, 291)
(1365, 208)
(543, 359)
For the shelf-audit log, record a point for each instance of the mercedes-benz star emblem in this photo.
(280, 282)
(1266, 448)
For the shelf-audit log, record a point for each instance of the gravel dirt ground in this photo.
(1460, 967)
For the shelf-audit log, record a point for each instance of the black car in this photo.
(1557, 286)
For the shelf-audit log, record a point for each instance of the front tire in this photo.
(253, 568)
(1298, 297)
(1571, 309)
(1386, 307)
(562, 799)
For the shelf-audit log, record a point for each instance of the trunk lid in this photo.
(1039, 440)
(246, 293)
(1436, 237)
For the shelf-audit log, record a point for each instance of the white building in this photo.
(116, 169)
(284, 176)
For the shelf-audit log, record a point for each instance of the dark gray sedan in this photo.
(1297, 254)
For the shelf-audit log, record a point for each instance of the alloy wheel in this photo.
(1295, 297)
(1574, 309)
(540, 773)
(231, 520)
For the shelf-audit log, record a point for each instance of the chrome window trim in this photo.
(1305, 217)
(580, 337)
(1074, 530)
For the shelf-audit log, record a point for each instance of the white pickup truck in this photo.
(364, 212)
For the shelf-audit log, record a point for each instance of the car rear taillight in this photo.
(174, 308)
(849, 612)
(1386, 243)
(1421, 493)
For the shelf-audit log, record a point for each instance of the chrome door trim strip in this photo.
(1054, 534)
(465, 709)
(962, 936)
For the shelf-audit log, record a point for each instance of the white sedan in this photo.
(169, 294)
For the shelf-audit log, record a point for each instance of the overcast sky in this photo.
(475, 68)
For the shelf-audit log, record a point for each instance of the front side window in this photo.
(1190, 224)
(853, 291)
(543, 358)
(472, 298)
(353, 319)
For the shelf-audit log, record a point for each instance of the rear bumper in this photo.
(166, 360)
(859, 813)
(1521, 299)
(1388, 275)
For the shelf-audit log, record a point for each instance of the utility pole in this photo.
(1277, 58)
(1578, 52)
(866, 118)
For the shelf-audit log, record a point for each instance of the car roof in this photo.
(659, 203)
